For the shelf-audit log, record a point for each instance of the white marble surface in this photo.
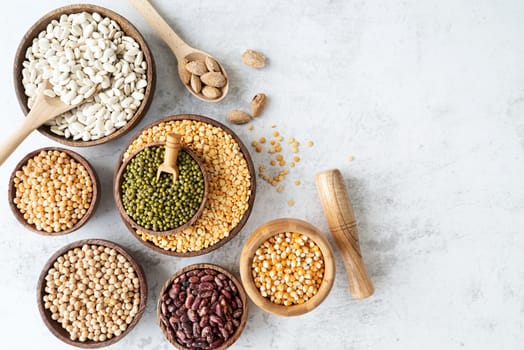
(429, 98)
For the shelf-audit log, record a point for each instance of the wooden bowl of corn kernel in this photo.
(287, 267)
(53, 191)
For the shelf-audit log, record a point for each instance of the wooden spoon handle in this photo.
(173, 145)
(342, 224)
(9, 145)
(175, 43)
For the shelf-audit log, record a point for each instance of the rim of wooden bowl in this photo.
(56, 328)
(92, 206)
(127, 27)
(117, 193)
(241, 292)
(252, 188)
(258, 237)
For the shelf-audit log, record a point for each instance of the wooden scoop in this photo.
(44, 109)
(173, 146)
(182, 51)
(342, 224)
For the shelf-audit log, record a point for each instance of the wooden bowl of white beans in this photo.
(91, 293)
(92, 57)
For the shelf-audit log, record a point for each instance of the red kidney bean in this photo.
(203, 311)
(215, 344)
(189, 301)
(226, 294)
(192, 315)
(237, 313)
(224, 332)
(207, 278)
(206, 286)
(196, 303)
(194, 279)
(204, 321)
(236, 323)
(196, 329)
(180, 334)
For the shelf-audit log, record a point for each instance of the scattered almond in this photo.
(258, 103)
(214, 79)
(196, 84)
(238, 117)
(212, 65)
(211, 92)
(196, 67)
(253, 59)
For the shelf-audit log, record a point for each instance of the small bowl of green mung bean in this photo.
(155, 204)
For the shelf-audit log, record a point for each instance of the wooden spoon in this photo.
(44, 109)
(173, 146)
(182, 51)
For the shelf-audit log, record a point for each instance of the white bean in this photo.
(78, 54)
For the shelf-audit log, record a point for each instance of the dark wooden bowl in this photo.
(251, 199)
(94, 200)
(56, 328)
(129, 220)
(258, 237)
(127, 27)
(241, 292)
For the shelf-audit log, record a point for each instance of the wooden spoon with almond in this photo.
(201, 73)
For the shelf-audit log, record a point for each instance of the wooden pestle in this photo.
(342, 224)
(173, 145)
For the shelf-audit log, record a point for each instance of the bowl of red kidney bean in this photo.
(202, 306)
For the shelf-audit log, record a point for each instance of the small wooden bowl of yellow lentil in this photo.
(91, 293)
(160, 199)
(287, 267)
(53, 191)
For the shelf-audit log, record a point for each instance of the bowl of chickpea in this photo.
(287, 267)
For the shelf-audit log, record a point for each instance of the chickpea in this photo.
(74, 293)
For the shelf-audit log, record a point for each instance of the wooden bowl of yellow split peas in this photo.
(53, 191)
(287, 267)
(91, 293)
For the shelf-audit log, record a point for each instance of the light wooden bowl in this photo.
(127, 27)
(241, 292)
(251, 199)
(268, 230)
(94, 200)
(117, 192)
(56, 328)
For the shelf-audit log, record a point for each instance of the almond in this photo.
(238, 117)
(258, 103)
(185, 76)
(211, 92)
(212, 65)
(196, 67)
(254, 59)
(214, 79)
(196, 84)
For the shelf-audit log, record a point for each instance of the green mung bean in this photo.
(160, 205)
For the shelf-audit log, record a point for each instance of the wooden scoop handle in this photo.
(342, 224)
(173, 145)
